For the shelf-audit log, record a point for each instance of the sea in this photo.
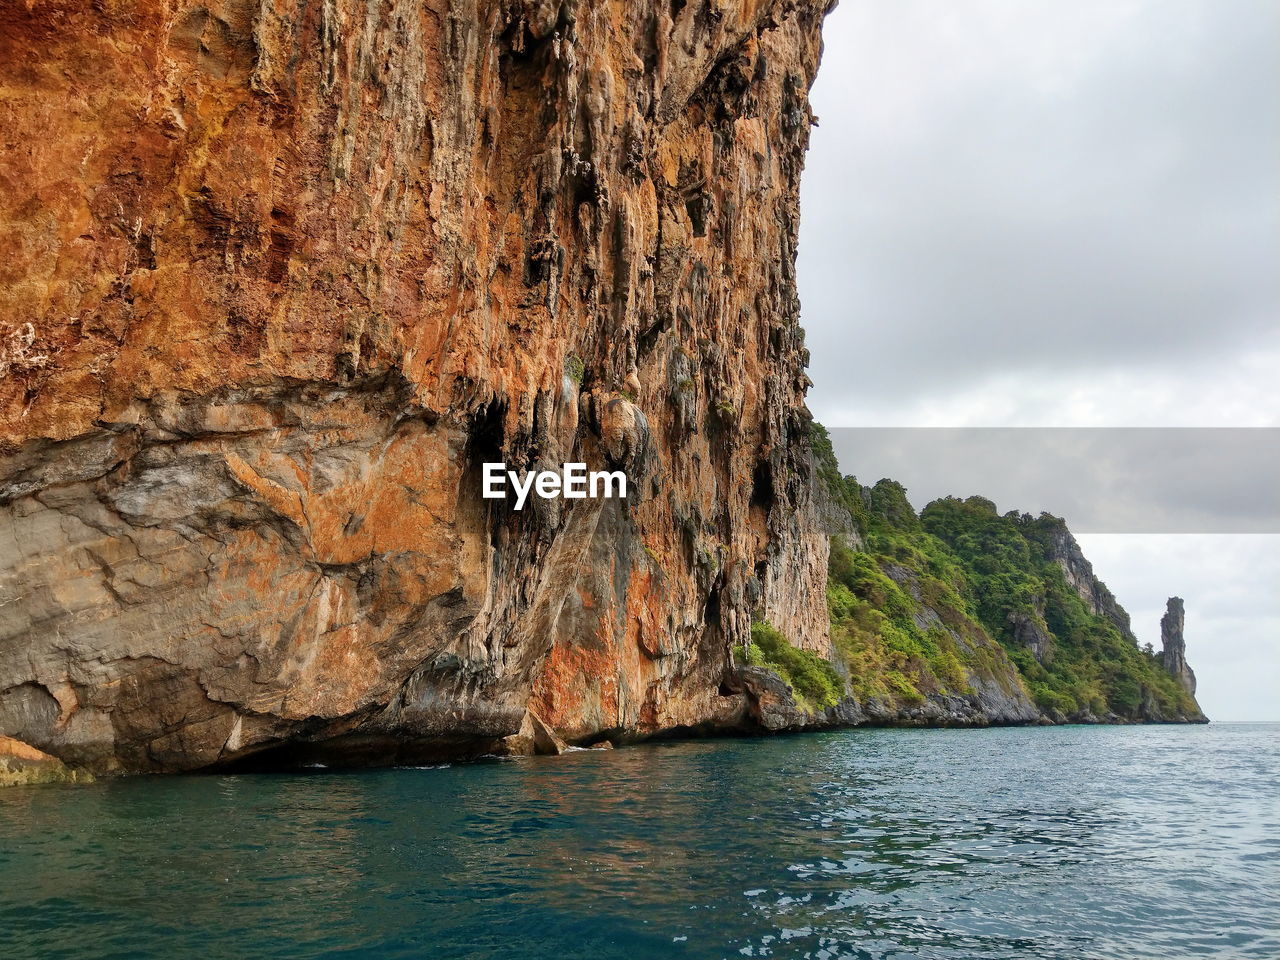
(1072, 842)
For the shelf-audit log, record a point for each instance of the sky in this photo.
(1042, 214)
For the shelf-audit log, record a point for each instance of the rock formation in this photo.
(279, 277)
(1173, 648)
(1063, 550)
(23, 765)
(1029, 631)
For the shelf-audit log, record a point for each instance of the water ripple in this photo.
(1117, 843)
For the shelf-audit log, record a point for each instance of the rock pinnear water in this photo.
(1173, 648)
(280, 277)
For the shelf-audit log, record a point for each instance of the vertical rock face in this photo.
(1173, 648)
(279, 277)
(1029, 631)
(1063, 549)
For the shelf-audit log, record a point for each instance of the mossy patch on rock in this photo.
(22, 765)
(813, 680)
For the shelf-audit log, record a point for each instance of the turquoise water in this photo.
(1071, 842)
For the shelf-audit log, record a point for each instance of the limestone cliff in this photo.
(1062, 549)
(280, 276)
(1173, 648)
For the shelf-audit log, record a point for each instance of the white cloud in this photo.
(1061, 214)
(1039, 193)
(1240, 390)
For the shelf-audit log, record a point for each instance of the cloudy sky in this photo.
(1040, 213)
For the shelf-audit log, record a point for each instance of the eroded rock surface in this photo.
(1173, 648)
(1064, 550)
(279, 277)
(22, 765)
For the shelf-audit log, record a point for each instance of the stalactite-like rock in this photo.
(279, 277)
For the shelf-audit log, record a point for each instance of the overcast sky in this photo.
(1050, 213)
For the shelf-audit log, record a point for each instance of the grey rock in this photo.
(1173, 652)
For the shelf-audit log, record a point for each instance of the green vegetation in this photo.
(574, 368)
(813, 680)
(930, 602)
(1093, 665)
(877, 599)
